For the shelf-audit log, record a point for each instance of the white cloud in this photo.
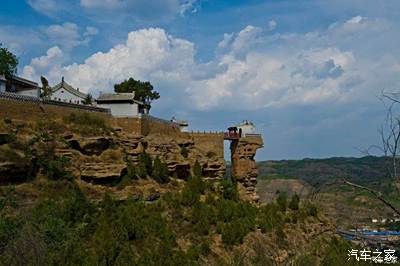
(68, 36)
(46, 64)
(15, 38)
(272, 24)
(91, 31)
(148, 54)
(189, 6)
(253, 69)
(102, 3)
(44, 6)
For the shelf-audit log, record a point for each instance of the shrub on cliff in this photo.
(145, 159)
(294, 202)
(160, 171)
(269, 217)
(233, 233)
(87, 123)
(184, 152)
(197, 171)
(202, 217)
(194, 187)
(282, 201)
(229, 189)
(56, 168)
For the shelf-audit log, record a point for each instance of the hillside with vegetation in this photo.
(316, 172)
(48, 216)
(315, 178)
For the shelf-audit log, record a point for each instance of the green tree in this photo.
(143, 90)
(184, 152)
(229, 189)
(88, 100)
(8, 63)
(145, 159)
(160, 171)
(294, 202)
(282, 201)
(197, 171)
(46, 89)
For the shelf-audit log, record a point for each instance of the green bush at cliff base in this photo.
(146, 161)
(197, 169)
(282, 201)
(67, 229)
(193, 189)
(160, 171)
(294, 202)
(229, 189)
(184, 152)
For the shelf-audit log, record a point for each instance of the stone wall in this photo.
(152, 125)
(25, 110)
(209, 142)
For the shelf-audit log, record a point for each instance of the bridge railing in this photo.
(231, 135)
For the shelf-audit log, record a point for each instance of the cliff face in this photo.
(244, 168)
(100, 160)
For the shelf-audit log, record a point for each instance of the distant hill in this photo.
(349, 206)
(365, 170)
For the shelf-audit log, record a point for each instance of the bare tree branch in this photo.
(376, 194)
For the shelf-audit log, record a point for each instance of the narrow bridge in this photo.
(231, 135)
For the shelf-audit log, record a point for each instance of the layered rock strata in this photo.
(244, 168)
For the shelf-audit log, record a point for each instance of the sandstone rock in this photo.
(244, 168)
(102, 172)
(13, 172)
(91, 146)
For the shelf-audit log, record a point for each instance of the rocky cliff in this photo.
(102, 157)
(244, 168)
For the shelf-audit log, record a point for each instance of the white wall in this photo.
(121, 109)
(65, 96)
(32, 93)
(2, 86)
(247, 129)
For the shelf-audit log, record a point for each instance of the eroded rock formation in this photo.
(104, 159)
(244, 168)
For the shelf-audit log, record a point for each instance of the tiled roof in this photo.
(118, 97)
(68, 88)
(25, 81)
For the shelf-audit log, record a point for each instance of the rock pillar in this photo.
(244, 168)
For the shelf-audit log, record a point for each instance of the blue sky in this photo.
(308, 73)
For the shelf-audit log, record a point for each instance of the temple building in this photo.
(183, 124)
(19, 86)
(64, 92)
(122, 104)
(246, 128)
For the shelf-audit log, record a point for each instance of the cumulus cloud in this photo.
(46, 64)
(147, 54)
(66, 36)
(252, 70)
